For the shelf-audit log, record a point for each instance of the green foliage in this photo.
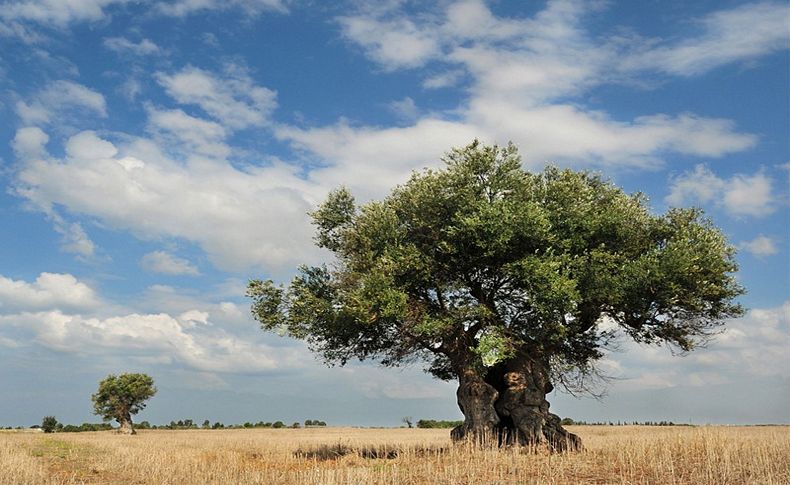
(49, 424)
(468, 266)
(70, 428)
(121, 396)
(432, 423)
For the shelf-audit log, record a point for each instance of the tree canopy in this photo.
(469, 266)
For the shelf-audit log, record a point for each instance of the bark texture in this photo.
(515, 391)
(476, 399)
(126, 426)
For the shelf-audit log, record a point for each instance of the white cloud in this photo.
(181, 8)
(56, 12)
(742, 33)
(62, 313)
(190, 133)
(760, 246)
(371, 160)
(756, 344)
(242, 218)
(750, 347)
(86, 145)
(162, 262)
(443, 80)
(179, 183)
(740, 195)
(74, 239)
(145, 336)
(394, 45)
(517, 70)
(122, 44)
(48, 291)
(405, 109)
(16, 14)
(29, 143)
(57, 97)
(234, 100)
(400, 384)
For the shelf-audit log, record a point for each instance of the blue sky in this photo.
(154, 156)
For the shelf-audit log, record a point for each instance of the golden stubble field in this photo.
(613, 454)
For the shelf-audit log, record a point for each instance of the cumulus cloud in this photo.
(29, 143)
(741, 33)
(518, 70)
(753, 346)
(405, 108)
(48, 291)
(161, 336)
(234, 99)
(520, 74)
(395, 44)
(181, 8)
(760, 246)
(62, 313)
(16, 15)
(57, 97)
(370, 160)
(166, 263)
(190, 134)
(443, 79)
(124, 45)
(740, 195)
(74, 239)
(242, 218)
(55, 12)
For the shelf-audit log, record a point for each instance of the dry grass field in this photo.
(619, 454)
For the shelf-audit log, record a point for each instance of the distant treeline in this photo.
(433, 423)
(51, 425)
(569, 421)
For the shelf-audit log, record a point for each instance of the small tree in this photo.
(49, 424)
(407, 420)
(119, 397)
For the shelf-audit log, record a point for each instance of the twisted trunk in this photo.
(476, 399)
(510, 404)
(125, 422)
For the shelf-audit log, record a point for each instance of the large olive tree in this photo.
(121, 396)
(503, 279)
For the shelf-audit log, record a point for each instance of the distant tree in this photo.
(49, 424)
(278, 424)
(206, 424)
(501, 279)
(296, 425)
(119, 397)
(407, 420)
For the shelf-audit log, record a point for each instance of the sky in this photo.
(155, 156)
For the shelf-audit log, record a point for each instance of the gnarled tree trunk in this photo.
(125, 422)
(517, 389)
(476, 399)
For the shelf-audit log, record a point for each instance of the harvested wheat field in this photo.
(613, 454)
